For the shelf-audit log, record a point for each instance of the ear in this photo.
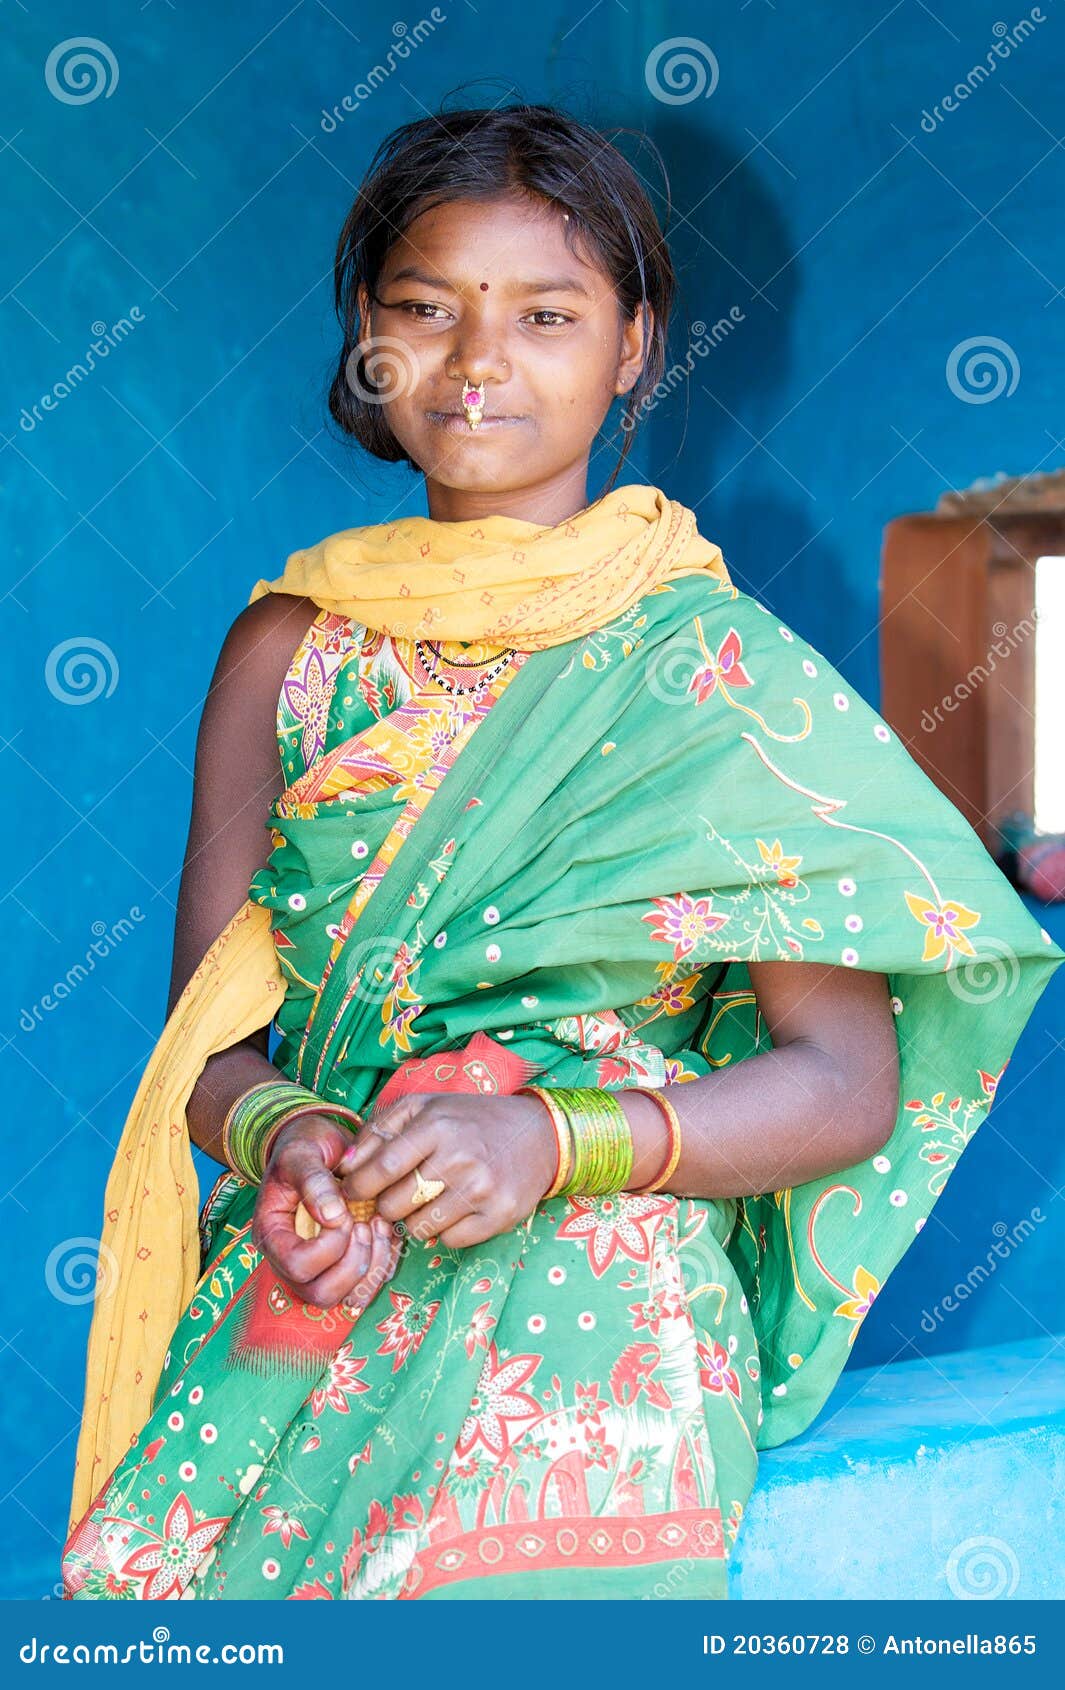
(364, 307)
(636, 335)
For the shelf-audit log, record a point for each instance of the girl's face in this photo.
(488, 292)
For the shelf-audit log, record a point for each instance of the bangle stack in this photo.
(254, 1120)
(592, 1136)
(593, 1139)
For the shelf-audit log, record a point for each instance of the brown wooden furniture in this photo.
(958, 653)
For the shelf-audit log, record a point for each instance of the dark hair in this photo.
(483, 154)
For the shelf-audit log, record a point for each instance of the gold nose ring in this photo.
(473, 402)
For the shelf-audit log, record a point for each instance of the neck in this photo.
(547, 503)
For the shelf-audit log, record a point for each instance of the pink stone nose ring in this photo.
(473, 402)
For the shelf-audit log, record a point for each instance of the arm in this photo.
(826, 1096)
(237, 774)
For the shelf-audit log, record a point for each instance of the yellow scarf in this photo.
(501, 579)
(498, 579)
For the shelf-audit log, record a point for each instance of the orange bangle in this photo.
(673, 1153)
(563, 1139)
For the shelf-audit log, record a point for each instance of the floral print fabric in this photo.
(573, 1408)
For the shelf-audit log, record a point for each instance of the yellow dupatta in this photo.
(497, 579)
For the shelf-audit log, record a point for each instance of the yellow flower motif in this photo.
(857, 1307)
(942, 924)
(784, 866)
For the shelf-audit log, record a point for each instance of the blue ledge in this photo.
(940, 1479)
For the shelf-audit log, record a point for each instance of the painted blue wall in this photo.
(200, 199)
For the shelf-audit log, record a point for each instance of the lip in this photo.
(455, 422)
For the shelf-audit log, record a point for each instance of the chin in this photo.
(477, 475)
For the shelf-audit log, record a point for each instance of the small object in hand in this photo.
(360, 1209)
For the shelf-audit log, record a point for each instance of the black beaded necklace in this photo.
(431, 657)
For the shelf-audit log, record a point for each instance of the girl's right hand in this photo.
(349, 1261)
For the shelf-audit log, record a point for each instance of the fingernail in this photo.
(332, 1208)
(362, 1233)
(381, 1226)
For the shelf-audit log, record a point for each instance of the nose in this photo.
(477, 356)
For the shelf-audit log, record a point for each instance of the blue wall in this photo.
(201, 200)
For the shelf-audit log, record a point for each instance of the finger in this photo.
(472, 1229)
(379, 1127)
(319, 1191)
(382, 1264)
(336, 1283)
(432, 1217)
(390, 1161)
(301, 1259)
(398, 1202)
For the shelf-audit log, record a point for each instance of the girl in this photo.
(630, 980)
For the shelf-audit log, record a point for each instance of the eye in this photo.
(422, 310)
(560, 320)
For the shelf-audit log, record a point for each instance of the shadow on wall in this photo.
(727, 386)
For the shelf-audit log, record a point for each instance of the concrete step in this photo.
(938, 1479)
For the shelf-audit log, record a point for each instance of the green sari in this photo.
(567, 879)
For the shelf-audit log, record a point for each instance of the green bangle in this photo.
(254, 1120)
(602, 1140)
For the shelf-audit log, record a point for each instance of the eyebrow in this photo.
(532, 284)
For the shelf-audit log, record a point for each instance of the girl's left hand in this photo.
(496, 1156)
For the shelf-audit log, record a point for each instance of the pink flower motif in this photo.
(589, 1403)
(652, 1313)
(167, 1564)
(481, 1323)
(342, 1382)
(285, 1524)
(609, 1225)
(498, 1401)
(724, 671)
(405, 1328)
(989, 1082)
(715, 1374)
(681, 921)
(597, 1451)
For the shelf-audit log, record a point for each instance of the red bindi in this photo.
(484, 287)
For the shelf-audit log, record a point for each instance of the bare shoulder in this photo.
(261, 642)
